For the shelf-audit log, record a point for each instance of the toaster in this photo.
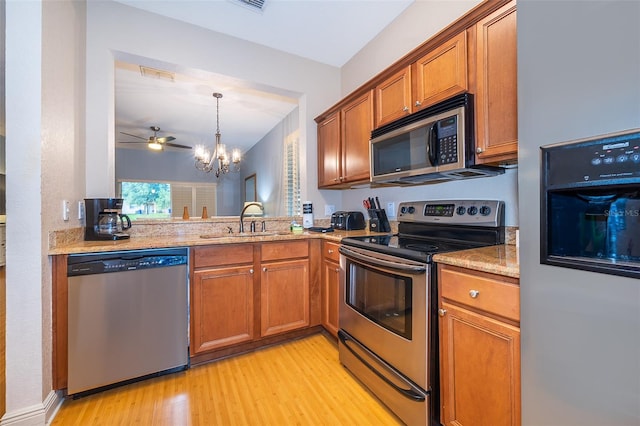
(347, 221)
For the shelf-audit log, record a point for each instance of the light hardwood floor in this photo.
(296, 383)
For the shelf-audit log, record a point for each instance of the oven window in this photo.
(382, 297)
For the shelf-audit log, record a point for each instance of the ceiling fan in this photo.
(154, 142)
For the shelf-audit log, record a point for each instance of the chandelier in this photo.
(218, 161)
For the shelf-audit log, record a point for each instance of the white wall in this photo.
(196, 48)
(45, 163)
(578, 76)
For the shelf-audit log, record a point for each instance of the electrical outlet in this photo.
(65, 210)
(329, 209)
(391, 209)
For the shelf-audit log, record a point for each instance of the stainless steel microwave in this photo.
(436, 143)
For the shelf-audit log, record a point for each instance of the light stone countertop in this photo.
(167, 241)
(500, 259)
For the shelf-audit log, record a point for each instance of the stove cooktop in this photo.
(429, 227)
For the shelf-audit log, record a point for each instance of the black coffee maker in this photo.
(104, 219)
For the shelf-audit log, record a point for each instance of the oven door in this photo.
(384, 306)
(384, 330)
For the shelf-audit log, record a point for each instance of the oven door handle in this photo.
(381, 262)
(412, 393)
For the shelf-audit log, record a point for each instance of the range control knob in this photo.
(485, 210)
(403, 209)
(411, 210)
(461, 210)
(473, 210)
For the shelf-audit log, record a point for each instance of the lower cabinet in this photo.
(242, 293)
(330, 286)
(479, 348)
(284, 296)
(222, 307)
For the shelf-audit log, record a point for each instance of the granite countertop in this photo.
(149, 242)
(500, 259)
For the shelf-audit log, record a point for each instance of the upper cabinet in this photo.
(393, 97)
(496, 97)
(343, 143)
(441, 73)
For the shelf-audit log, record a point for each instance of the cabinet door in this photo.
(329, 151)
(284, 296)
(393, 97)
(496, 95)
(222, 308)
(441, 73)
(480, 369)
(357, 124)
(330, 296)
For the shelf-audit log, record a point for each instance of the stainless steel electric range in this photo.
(388, 322)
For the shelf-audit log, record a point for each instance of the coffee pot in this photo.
(111, 223)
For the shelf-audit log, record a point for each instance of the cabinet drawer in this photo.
(330, 251)
(491, 293)
(224, 254)
(284, 250)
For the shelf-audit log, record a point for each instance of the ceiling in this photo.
(182, 105)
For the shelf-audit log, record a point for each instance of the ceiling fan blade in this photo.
(132, 142)
(135, 136)
(175, 145)
(165, 139)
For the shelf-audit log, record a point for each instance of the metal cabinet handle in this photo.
(441, 312)
(330, 251)
(479, 150)
(337, 269)
(264, 269)
(405, 109)
(474, 293)
(251, 271)
(418, 103)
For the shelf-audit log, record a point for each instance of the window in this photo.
(163, 200)
(291, 185)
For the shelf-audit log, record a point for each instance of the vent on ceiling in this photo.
(252, 4)
(156, 73)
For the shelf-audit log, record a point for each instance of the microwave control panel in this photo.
(447, 130)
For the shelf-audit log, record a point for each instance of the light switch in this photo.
(81, 210)
(65, 210)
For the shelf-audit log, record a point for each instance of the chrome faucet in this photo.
(242, 214)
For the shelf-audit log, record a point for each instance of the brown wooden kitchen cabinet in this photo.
(222, 302)
(479, 348)
(343, 143)
(330, 286)
(284, 287)
(441, 73)
(496, 97)
(393, 97)
(436, 76)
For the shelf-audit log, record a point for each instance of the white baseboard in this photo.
(35, 415)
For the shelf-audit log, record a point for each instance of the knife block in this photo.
(378, 221)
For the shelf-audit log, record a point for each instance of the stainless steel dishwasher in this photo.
(128, 316)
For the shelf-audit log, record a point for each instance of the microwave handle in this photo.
(432, 146)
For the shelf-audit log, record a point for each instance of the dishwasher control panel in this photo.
(102, 263)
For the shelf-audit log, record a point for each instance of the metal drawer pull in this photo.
(441, 312)
(330, 251)
(474, 293)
